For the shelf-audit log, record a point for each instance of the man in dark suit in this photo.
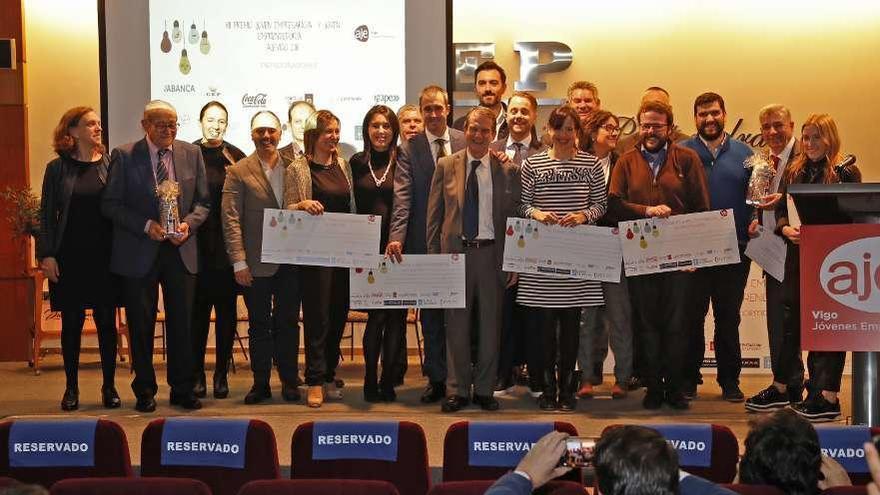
(412, 183)
(521, 143)
(472, 194)
(145, 255)
(253, 184)
(297, 114)
(490, 83)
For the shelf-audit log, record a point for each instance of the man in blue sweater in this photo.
(722, 158)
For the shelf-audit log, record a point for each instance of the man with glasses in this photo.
(146, 255)
(653, 93)
(657, 179)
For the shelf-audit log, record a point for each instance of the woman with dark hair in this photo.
(820, 162)
(560, 186)
(373, 172)
(317, 182)
(215, 283)
(74, 247)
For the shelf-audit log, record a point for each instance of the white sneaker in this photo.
(332, 392)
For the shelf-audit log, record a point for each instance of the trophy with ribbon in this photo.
(169, 214)
(761, 180)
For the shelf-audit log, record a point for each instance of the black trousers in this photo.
(564, 345)
(273, 333)
(785, 356)
(434, 333)
(215, 288)
(660, 302)
(141, 300)
(724, 286)
(72, 321)
(382, 336)
(513, 336)
(325, 311)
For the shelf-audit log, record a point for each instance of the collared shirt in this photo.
(510, 148)
(275, 176)
(432, 143)
(168, 159)
(486, 229)
(717, 148)
(768, 217)
(605, 163)
(655, 159)
(500, 119)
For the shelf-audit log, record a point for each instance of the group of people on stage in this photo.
(438, 189)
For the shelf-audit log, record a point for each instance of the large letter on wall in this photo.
(530, 69)
(467, 57)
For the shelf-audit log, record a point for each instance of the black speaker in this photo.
(7, 54)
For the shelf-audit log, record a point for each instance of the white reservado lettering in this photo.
(844, 452)
(354, 439)
(688, 445)
(209, 447)
(502, 446)
(63, 447)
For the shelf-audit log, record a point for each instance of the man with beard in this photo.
(659, 179)
(253, 184)
(728, 180)
(653, 93)
(490, 83)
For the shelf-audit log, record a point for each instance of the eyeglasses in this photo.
(652, 127)
(165, 126)
(611, 128)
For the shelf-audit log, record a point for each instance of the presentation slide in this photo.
(344, 56)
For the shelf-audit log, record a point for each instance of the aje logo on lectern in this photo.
(850, 274)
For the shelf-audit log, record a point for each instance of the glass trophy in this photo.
(169, 213)
(761, 180)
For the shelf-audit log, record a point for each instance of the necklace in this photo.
(379, 181)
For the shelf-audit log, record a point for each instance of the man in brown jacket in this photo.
(657, 179)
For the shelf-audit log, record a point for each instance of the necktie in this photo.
(441, 147)
(471, 213)
(161, 168)
(775, 161)
(517, 155)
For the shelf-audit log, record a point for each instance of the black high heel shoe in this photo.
(110, 397)
(70, 401)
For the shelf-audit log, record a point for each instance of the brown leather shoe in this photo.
(315, 396)
(618, 391)
(586, 391)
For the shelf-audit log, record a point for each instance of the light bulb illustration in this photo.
(273, 222)
(629, 234)
(299, 223)
(521, 242)
(636, 227)
(184, 65)
(383, 267)
(193, 34)
(165, 45)
(529, 229)
(370, 278)
(204, 45)
(642, 242)
(656, 231)
(518, 227)
(176, 34)
(509, 231)
(535, 233)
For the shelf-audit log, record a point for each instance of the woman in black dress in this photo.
(373, 173)
(74, 247)
(215, 284)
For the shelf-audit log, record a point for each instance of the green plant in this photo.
(23, 213)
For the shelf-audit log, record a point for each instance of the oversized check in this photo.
(585, 252)
(694, 240)
(768, 251)
(333, 239)
(419, 281)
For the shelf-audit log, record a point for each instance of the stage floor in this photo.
(23, 394)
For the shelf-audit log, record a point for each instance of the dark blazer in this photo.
(609, 219)
(130, 200)
(412, 183)
(58, 183)
(535, 147)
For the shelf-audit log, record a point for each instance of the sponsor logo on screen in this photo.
(850, 274)
(362, 33)
(383, 99)
(254, 101)
(179, 88)
(212, 92)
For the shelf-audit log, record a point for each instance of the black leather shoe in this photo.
(677, 400)
(547, 402)
(290, 392)
(200, 389)
(70, 401)
(110, 397)
(371, 393)
(634, 383)
(145, 404)
(221, 387)
(567, 403)
(186, 401)
(453, 403)
(652, 400)
(387, 394)
(486, 402)
(257, 394)
(434, 392)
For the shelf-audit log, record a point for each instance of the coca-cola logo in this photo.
(850, 274)
(254, 101)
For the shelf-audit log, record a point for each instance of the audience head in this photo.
(655, 121)
(160, 123)
(479, 130)
(602, 129)
(709, 116)
(380, 129)
(777, 128)
(213, 119)
(321, 134)
(583, 97)
(411, 122)
(563, 127)
(522, 112)
(490, 83)
(265, 132)
(79, 127)
(23, 489)
(434, 103)
(782, 450)
(634, 460)
(297, 113)
(655, 93)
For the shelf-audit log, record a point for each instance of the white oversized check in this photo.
(585, 252)
(332, 239)
(419, 281)
(694, 240)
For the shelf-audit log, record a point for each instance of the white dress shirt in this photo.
(768, 217)
(486, 229)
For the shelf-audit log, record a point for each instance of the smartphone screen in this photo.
(579, 452)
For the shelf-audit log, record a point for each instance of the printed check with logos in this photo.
(332, 239)
(419, 281)
(694, 240)
(584, 252)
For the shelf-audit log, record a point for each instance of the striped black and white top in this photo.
(569, 186)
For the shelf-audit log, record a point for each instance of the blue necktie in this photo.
(161, 169)
(471, 213)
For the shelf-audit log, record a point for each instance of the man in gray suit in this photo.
(412, 183)
(472, 193)
(145, 255)
(253, 184)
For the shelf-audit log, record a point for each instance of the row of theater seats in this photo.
(409, 473)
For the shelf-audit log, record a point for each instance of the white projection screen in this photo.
(340, 55)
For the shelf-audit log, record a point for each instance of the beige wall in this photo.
(812, 55)
(62, 70)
